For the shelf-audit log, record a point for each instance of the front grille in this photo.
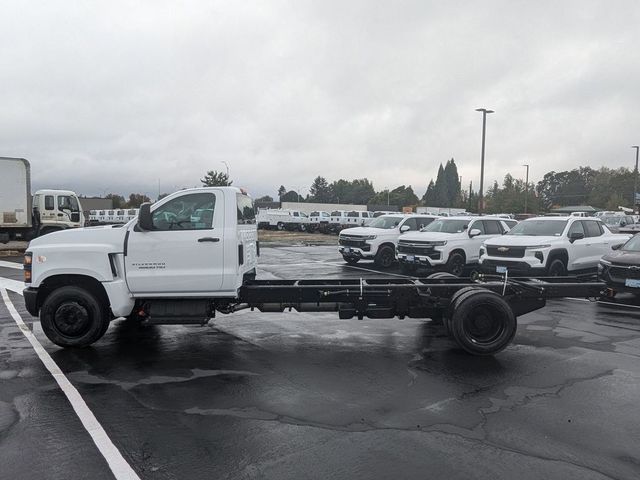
(414, 248)
(510, 252)
(625, 272)
(352, 242)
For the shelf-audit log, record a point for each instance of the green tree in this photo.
(402, 196)
(214, 178)
(281, 191)
(117, 200)
(136, 199)
(291, 196)
(265, 198)
(320, 191)
(429, 198)
(452, 181)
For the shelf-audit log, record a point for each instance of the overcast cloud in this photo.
(118, 95)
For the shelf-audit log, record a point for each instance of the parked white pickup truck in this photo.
(378, 241)
(319, 221)
(282, 219)
(450, 244)
(553, 246)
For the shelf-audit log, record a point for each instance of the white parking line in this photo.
(118, 465)
(13, 285)
(17, 266)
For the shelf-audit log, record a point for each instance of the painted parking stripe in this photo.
(13, 285)
(118, 465)
(5, 264)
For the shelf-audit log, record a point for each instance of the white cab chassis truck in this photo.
(282, 219)
(173, 266)
(22, 216)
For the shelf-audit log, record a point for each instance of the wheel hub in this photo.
(483, 327)
(72, 319)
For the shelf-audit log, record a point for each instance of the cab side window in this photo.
(411, 223)
(48, 202)
(492, 227)
(477, 225)
(188, 212)
(576, 227)
(592, 228)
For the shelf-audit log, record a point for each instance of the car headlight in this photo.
(439, 244)
(537, 247)
(370, 237)
(482, 251)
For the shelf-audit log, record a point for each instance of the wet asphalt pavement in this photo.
(295, 395)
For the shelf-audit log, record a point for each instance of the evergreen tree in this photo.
(320, 190)
(214, 178)
(281, 192)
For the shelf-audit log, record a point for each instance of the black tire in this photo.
(456, 264)
(280, 226)
(454, 300)
(407, 268)
(556, 268)
(482, 322)
(351, 260)
(73, 317)
(302, 227)
(385, 257)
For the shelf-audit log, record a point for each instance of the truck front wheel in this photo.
(385, 257)
(73, 317)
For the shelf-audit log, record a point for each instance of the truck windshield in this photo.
(615, 220)
(246, 212)
(352, 214)
(539, 228)
(447, 226)
(336, 213)
(386, 222)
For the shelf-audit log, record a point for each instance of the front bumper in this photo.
(616, 276)
(31, 300)
(354, 252)
(434, 259)
(514, 267)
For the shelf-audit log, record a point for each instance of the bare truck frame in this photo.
(479, 315)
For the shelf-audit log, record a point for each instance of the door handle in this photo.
(59, 214)
(209, 239)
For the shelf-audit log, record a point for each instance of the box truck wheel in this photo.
(73, 317)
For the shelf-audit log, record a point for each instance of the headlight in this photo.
(369, 237)
(482, 251)
(439, 244)
(27, 265)
(536, 247)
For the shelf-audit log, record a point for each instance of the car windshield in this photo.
(447, 226)
(539, 228)
(385, 222)
(633, 245)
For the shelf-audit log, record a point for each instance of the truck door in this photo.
(184, 253)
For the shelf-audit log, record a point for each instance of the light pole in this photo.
(484, 129)
(635, 177)
(526, 188)
(226, 165)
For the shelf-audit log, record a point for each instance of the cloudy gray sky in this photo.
(117, 96)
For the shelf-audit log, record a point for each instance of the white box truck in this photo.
(23, 217)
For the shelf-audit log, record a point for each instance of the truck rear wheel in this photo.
(73, 317)
(385, 257)
(481, 322)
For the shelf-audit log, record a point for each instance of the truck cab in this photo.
(58, 210)
(194, 244)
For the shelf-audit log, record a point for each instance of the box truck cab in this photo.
(58, 210)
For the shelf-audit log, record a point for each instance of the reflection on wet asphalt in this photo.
(294, 395)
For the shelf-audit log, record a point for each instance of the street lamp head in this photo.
(484, 110)
(635, 146)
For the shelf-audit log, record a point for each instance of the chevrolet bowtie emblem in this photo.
(503, 249)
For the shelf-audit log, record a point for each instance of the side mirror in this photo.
(404, 228)
(623, 223)
(474, 232)
(576, 236)
(145, 222)
(616, 247)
